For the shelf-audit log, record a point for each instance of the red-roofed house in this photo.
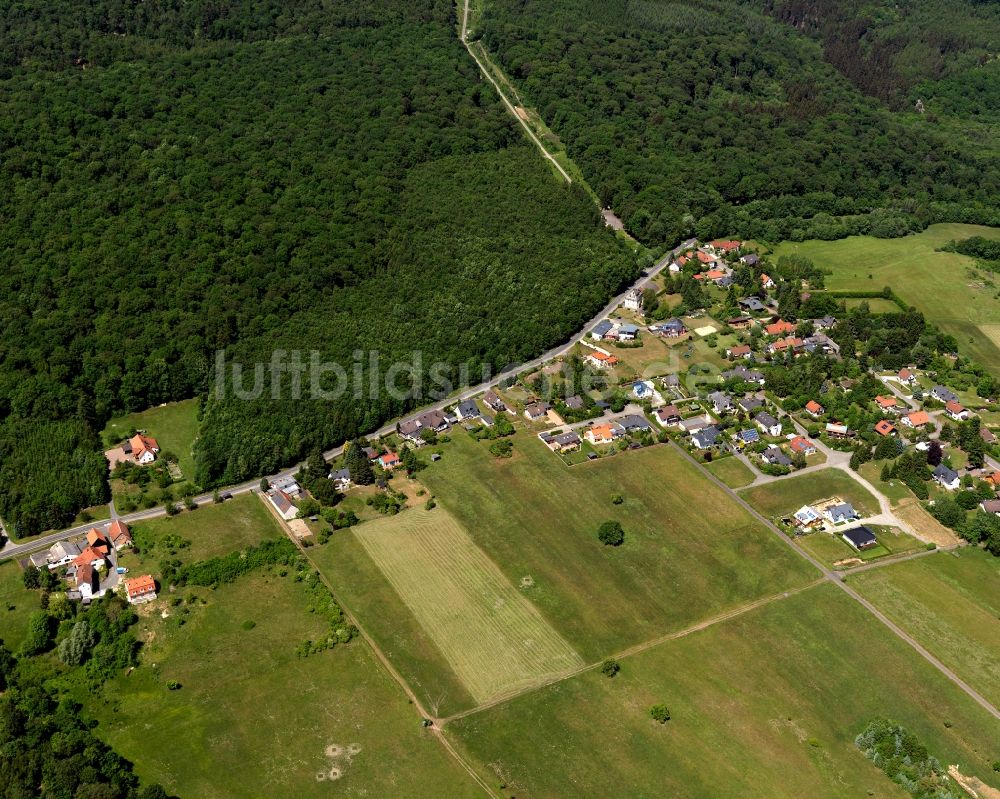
(813, 408)
(803, 445)
(917, 419)
(956, 411)
(601, 360)
(119, 534)
(885, 428)
(725, 245)
(739, 351)
(600, 434)
(779, 328)
(89, 557)
(705, 258)
(98, 541)
(140, 589)
(87, 581)
(766, 281)
(389, 461)
(144, 448)
(906, 376)
(887, 403)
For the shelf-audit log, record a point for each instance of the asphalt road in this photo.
(13, 550)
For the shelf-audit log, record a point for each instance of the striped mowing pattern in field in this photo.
(494, 638)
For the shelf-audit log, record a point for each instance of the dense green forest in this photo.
(714, 117)
(184, 177)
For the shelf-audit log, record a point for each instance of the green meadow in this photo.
(789, 494)
(174, 426)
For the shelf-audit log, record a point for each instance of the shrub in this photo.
(611, 534)
(610, 667)
(660, 713)
(617, 499)
(173, 685)
(503, 448)
(249, 624)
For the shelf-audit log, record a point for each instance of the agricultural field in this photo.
(949, 602)
(689, 550)
(16, 604)
(207, 532)
(731, 471)
(174, 426)
(936, 283)
(787, 495)
(764, 704)
(492, 636)
(272, 722)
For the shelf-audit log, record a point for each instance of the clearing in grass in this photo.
(690, 551)
(765, 704)
(252, 718)
(174, 426)
(949, 602)
(787, 495)
(491, 635)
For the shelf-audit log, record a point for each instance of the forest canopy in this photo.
(183, 178)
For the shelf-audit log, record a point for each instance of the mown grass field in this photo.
(731, 471)
(253, 719)
(689, 550)
(936, 283)
(211, 530)
(174, 426)
(491, 635)
(789, 494)
(950, 602)
(829, 548)
(16, 604)
(766, 704)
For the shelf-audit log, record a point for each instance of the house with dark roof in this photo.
(341, 478)
(947, 478)
(860, 538)
(466, 409)
(668, 415)
(753, 305)
(943, 394)
(574, 403)
(722, 403)
(824, 323)
(536, 410)
(748, 436)
(494, 402)
(707, 437)
(742, 373)
(672, 328)
(776, 457)
(751, 404)
(840, 513)
(767, 423)
(600, 330)
(283, 504)
(633, 423)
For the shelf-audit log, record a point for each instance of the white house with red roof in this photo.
(140, 589)
(143, 448)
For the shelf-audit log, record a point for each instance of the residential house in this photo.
(750, 404)
(916, 419)
(776, 457)
(802, 445)
(739, 351)
(779, 328)
(87, 582)
(991, 506)
(466, 409)
(860, 538)
(574, 403)
(706, 258)
(642, 389)
(814, 409)
(140, 589)
(341, 479)
(695, 423)
(942, 394)
(627, 332)
(740, 322)
(89, 557)
(389, 461)
(807, 517)
(494, 402)
(633, 300)
(746, 437)
(837, 430)
(742, 373)
(413, 430)
(824, 323)
(725, 246)
(62, 553)
(822, 344)
(292, 488)
(602, 433)
(721, 402)
(750, 259)
(843, 512)
(753, 305)
(633, 423)
(672, 328)
(766, 281)
(601, 360)
(601, 330)
(143, 448)
(906, 377)
(887, 403)
(668, 415)
(767, 423)
(788, 344)
(561, 442)
(98, 541)
(947, 478)
(987, 435)
(885, 428)
(283, 503)
(536, 411)
(40, 560)
(957, 411)
(119, 534)
(671, 381)
(707, 437)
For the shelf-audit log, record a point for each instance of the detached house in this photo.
(536, 411)
(739, 351)
(601, 330)
(722, 403)
(601, 360)
(140, 589)
(947, 478)
(341, 479)
(767, 423)
(943, 394)
(672, 328)
(467, 409)
(779, 328)
(668, 415)
(119, 534)
(283, 504)
(814, 409)
(860, 538)
(494, 402)
(706, 438)
(601, 433)
(142, 448)
(633, 300)
(956, 411)
(740, 322)
(887, 403)
(774, 456)
(802, 445)
(906, 377)
(838, 514)
(389, 461)
(916, 419)
(885, 428)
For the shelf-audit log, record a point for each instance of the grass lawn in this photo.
(895, 490)
(212, 530)
(950, 602)
(875, 304)
(766, 704)
(936, 283)
(16, 604)
(174, 426)
(491, 635)
(912, 512)
(789, 494)
(253, 719)
(689, 550)
(731, 471)
(829, 548)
